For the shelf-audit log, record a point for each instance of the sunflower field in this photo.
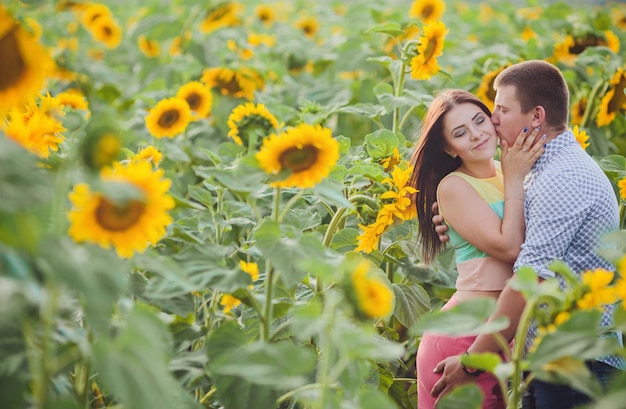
(204, 204)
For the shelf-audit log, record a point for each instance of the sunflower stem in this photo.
(518, 350)
(266, 320)
(591, 101)
(39, 349)
(289, 204)
(326, 343)
(398, 91)
(218, 228)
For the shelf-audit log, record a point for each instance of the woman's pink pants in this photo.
(434, 348)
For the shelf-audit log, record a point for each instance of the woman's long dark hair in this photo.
(431, 163)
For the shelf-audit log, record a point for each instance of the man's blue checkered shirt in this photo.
(570, 204)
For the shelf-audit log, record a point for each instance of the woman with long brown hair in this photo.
(482, 201)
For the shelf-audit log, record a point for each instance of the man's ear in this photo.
(539, 116)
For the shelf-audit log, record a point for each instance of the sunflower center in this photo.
(169, 118)
(431, 48)
(193, 100)
(581, 108)
(580, 44)
(297, 160)
(219, 12)
(119, 217)
(427, 11)
(106, 30)
(13, 66)
(232, 86)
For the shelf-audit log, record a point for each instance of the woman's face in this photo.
(469, 133)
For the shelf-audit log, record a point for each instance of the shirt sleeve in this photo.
(555, 208)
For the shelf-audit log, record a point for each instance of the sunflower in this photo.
(248, 118)
(614, 100)
(74, 99)
(306, 152)
(149, 48)
(198, 97)
(148, 154)
(424, 64)
(368, 240)
(429, 11)
(572, 46)
(107, 31)
(223, 15)
(400, 207)
(265, 14)
(92, 12)
(235, 83)
(485, 92)
(252, 269)
(257, 39)
(612, 41)
(25, 64)
(562, 50)
(37, 129)
(169, 117)
(581, 136)
(391, 161)
(309, 25)
(229, 302)
(599, 290)
(528, 34)
(130, 223)
(374, 298)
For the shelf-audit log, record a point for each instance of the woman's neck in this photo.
(479, 170)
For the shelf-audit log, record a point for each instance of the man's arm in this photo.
(510, 304)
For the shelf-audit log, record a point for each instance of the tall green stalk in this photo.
(517, 356)
(266, 322)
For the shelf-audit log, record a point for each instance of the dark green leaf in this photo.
(412, 302)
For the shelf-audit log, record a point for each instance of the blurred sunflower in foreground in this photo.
(374, 298)
(25, 63)
(129, 213)
(36, 126)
